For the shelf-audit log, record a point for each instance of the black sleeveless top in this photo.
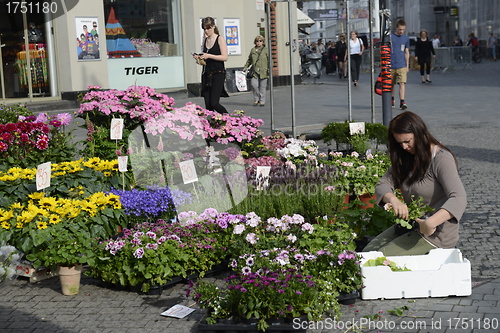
(213, 65)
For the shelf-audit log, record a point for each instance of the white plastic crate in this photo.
(441, 273)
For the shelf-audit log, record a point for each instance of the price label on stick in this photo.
(116, 130)
(43, 172)
(188, 171)
(122, 163)
(262, 177)
(357, 128)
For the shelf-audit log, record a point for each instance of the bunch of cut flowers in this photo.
(416, 209)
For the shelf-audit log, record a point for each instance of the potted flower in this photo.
(154, 253)
(67, 246)
(283, 293)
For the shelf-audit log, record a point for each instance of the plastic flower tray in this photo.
(441, 273)
(281, 327)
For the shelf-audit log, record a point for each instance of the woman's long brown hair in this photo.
(406, 166)
(209, 22)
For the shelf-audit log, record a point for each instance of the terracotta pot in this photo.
(365, 199)
(70, 279)
(345, 202)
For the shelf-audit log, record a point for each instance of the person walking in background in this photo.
(424, 51)
(400, 61)
(258, 59)
(458, 41)
(214, 72)
(341, 48)
(420, 167)
(321, 48)
(356, 49)
(331, 61)
(436, 42)
(492, 47)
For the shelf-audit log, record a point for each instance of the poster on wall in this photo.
(232, 35)
(87, 38)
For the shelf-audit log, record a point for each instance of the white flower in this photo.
(238, 229)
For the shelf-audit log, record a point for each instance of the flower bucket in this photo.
(70, 279)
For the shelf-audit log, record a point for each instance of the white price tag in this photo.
(357, 128)
(116, 130)
(188, 171)
(262, 177)
(43, 172)
(177, 311)
(122, 163)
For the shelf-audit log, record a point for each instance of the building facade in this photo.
(52, 51)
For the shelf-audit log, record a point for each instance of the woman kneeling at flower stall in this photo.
(421, 168)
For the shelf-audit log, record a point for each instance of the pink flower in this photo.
(64, 118)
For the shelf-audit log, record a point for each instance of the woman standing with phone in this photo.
(214, 72)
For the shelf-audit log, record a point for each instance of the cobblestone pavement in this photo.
(460, 107)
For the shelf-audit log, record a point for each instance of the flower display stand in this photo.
(441, 273)
(237, 326)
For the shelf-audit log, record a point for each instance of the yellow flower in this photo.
(48, 203)
(17, 205)
(41, 225)
(6, 215)
(54, 219)
(26, 216)
(19, 225)
(5, 225)
(36, 195)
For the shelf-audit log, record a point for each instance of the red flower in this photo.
(3, 146)
(10, 127)
(25, 137)
(7, 137)
(55, 123)
(42, 142)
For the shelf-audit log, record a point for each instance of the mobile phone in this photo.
(197, 54)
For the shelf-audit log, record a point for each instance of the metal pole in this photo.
(372, 59)
(51, 58)
(292, 84)
(349, 78)
(2, 79)
(385, 44)
(28, 57)
(271, 63)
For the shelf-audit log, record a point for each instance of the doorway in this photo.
(27, 68)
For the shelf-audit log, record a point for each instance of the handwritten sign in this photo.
(188, 171)
(262, 177)
(177, 311)
(122, 163)
(357, 128)
(43, 172)
(116, 130)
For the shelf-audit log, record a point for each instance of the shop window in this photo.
(149, 26)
